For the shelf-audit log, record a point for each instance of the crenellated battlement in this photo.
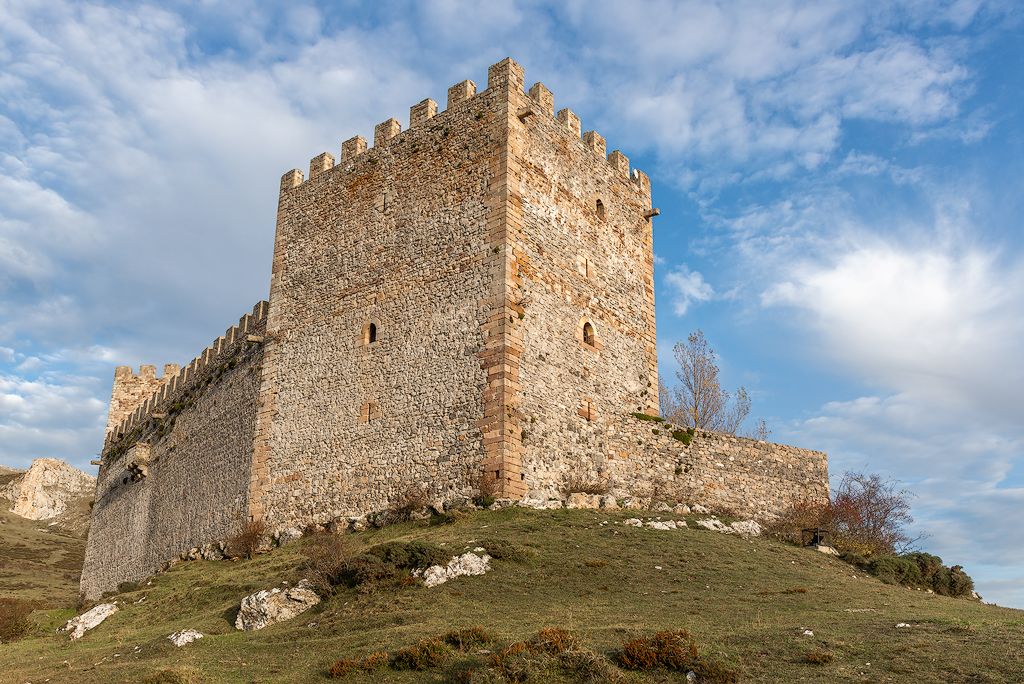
(507, 73)
(151, 396)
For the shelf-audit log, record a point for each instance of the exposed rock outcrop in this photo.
(76, 627)
(49, 489)
(469, 563)
(270, 606)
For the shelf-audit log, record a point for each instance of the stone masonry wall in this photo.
(586, 257)
(176, 473)
(399, 236)
(751, 477)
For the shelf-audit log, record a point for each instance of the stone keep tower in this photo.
(470, 297)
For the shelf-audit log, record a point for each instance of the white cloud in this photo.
(55, 416)
(942, 322)
(686, 287)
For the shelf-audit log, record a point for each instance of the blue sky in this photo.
(840, 187)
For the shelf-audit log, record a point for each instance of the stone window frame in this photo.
(585, 267)
(581, 336)
(600, 209)
(587, 411)
(369, 412)
(372, 325)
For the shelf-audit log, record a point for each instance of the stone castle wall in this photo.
(175, 474)
(724, 472)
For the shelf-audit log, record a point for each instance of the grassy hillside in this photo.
(38, 562)
(746, 602)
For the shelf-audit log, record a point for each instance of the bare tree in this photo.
(700, 401)
(762, 432)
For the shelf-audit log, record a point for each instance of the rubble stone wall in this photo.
(177, 475)
(751, 477)
(585, 259)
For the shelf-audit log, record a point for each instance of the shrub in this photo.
(673, 650)
(366, 570)
(577, 484)
(917, 569)
(14, 619)
(468, 637)
(644, 416)
(408, 504)
(684, 436)
(867, 516)
(423, 656)
(487, 490)
(410, 555)
(551, 641)
(500, 549)
(375, 661)
(342, 667)
(327, 557)
(447, 517)
(249, 539)
(126, 587)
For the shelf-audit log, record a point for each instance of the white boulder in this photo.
(467, 564)
(270, 606)
(76, 627)
(185, 636)
(715, 525)
(288, 535)
(746, 528)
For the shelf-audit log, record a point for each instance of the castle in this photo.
(467, 301)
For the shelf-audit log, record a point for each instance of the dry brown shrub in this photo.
(487, 490)
(14, 619)
(375, 661)
(672, 650)
(578, 484)
(409, 503)
(468, 637)
(327, 556)
(423, 656)
(342, 668)
(249, 539)
(552, 641)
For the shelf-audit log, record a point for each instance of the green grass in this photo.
(745, 602)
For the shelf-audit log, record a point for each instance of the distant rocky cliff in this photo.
(49, 490)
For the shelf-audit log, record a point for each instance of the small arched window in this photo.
(600, 210)
(588, 334)
(370, 333)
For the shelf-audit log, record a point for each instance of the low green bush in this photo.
(410, 555)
